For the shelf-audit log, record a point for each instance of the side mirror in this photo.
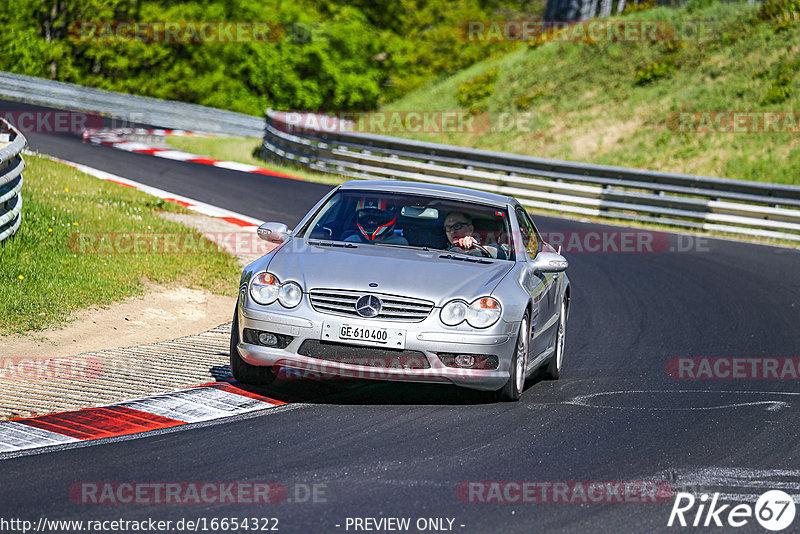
(549, 262)
(273, 232)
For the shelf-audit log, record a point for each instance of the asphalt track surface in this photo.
(389, 450)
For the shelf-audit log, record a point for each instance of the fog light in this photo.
(267, 339)
(470, 361)
(465, 360)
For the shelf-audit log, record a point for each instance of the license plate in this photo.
(365, 335)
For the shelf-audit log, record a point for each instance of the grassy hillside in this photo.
(616, 102)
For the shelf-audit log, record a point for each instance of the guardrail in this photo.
(679, 200)
(588, 9)
(11, 164)
(129, 108)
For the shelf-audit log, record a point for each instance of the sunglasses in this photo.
(450, 228)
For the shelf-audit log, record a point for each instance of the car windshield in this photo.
(417, 221)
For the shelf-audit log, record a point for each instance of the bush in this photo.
(779, 11)
(477, 89)
(780, 90)
(641, 6)
(525, 101)
(776, 94)
(653, 72)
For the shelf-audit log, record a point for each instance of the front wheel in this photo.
(519, 367)
(242, 371)
(553, 369)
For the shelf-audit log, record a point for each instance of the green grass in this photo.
(43, 278)
(244, 150)
(611, 102)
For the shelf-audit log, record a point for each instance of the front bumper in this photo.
(428, 337)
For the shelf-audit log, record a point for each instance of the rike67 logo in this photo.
(774, 510)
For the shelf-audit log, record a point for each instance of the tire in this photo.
(553, 369)
(512, 391)
(242, 371)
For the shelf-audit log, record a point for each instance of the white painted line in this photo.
(587, 401)
(236, 166)
(113, 139)
(130, 146)
(194, 205)
(16, 437)
(197, 404)
(176, 155)
(727, 480)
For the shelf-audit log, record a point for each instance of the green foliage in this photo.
(776, 94)
(779, 11)
(634, 7)
(525, 101)
(654, 71)
(673, 46)
(733, 33)
(694, 6)
(333, 56)
(477, 89)
(760, 74)
(783, 26)
(780, 91)
(662, 67)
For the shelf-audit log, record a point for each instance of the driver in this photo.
(460, 237)
(375, 220)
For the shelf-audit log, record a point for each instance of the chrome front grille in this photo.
(393, 308)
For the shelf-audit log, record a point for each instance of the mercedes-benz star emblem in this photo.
(368, 306)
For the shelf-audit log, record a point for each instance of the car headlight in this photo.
(454, 312)
(290, 294)
(483, 312)
(264, 288)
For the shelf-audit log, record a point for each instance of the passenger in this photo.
(461, 238)
(375, 220)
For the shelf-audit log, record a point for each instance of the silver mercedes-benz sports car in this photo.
(406, 281)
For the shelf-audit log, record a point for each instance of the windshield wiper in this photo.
(338, 244)
(426, 249)
(457, 256)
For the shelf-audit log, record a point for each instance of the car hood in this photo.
(398, 271)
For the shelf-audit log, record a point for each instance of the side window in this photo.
(529, 236)
(536, 236)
